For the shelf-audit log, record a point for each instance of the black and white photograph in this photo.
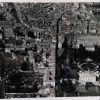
(27, 51)
(78, 50)
(49, 49)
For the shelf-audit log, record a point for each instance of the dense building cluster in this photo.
(28, 57)
(78, 67)
(49, 49)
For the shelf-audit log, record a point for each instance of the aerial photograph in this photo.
(49, 49)
(27, 47)
(77, 56)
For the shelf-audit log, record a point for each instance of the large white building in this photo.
(87, 40)
(88, 76)
(89, 73)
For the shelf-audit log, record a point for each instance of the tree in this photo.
(31, 34)
(16, 80)
(68, 87)
(13, 12)
(25, 66)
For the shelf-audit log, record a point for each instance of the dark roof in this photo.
(7, 55)
(11, 41)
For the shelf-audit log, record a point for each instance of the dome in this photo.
(89, 66)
